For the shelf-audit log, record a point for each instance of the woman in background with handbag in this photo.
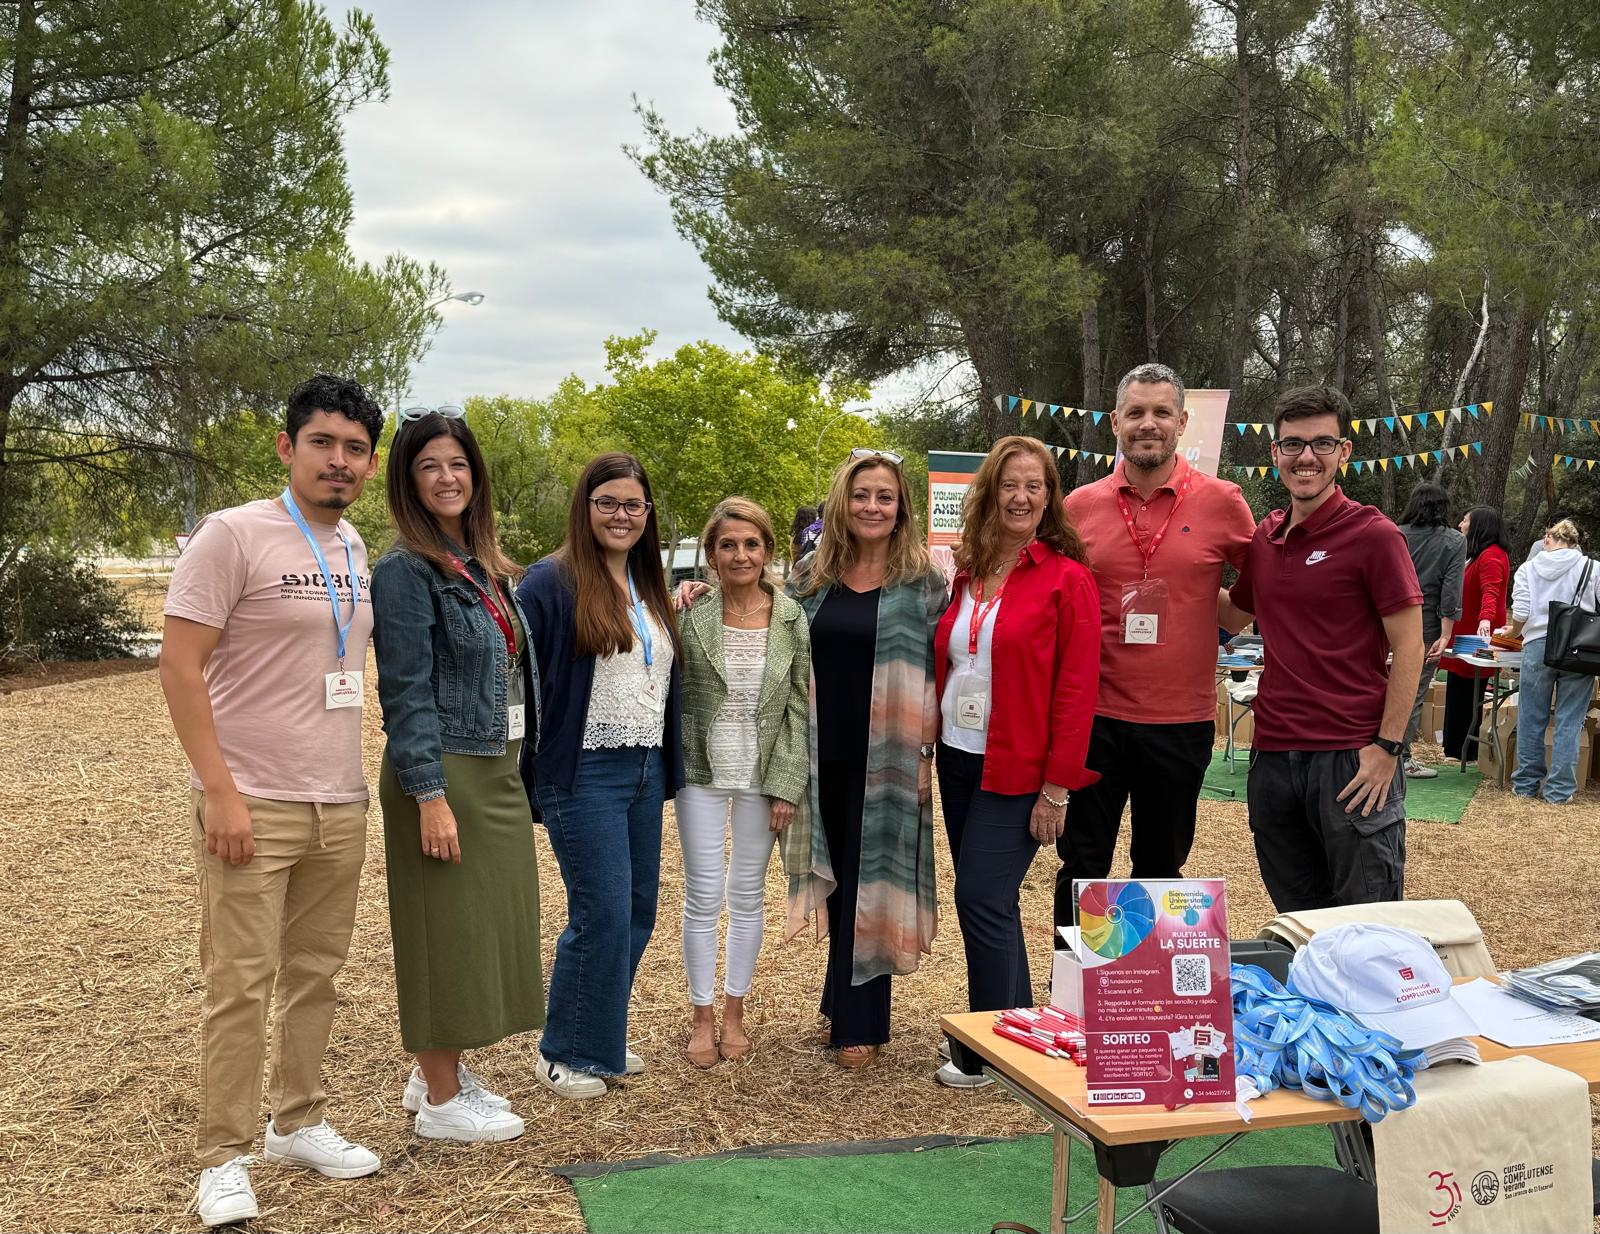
(1559, 575)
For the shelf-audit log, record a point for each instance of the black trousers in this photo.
(858, 1014)
(1161, 768)
(1313, 852)
(1463, 699)
(992, 847)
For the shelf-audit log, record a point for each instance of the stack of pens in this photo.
(1048, 1030)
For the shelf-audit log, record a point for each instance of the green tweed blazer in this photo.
(783, 723)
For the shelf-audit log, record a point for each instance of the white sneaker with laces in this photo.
(467, 1118)
(952, 1076)
(632, 1064)
(417, 1089)
(1420, 771)
(322, 1149)
(225, 1195)
(565, 1082)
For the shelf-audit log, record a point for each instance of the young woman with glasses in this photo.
(609, 755)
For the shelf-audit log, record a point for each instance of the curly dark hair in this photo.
(325, 392)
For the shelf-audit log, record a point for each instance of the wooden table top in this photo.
(1059, 1085)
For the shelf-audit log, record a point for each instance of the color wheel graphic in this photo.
(1115, 924)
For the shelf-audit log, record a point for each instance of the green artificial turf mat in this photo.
(1443, 799)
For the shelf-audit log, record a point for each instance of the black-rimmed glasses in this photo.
(1292, 447)
(633, 507)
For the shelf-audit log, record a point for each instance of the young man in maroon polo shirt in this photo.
(1158, 533)
(1332, 589)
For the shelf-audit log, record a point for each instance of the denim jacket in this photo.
(442, 668)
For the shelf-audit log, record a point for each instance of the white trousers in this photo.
(702, 829)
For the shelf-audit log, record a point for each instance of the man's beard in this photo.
(1167, 451)
(335, 503)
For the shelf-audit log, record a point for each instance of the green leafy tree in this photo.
(173, 210)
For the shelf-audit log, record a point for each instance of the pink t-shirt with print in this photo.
(249, 572)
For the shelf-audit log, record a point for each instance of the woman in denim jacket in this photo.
(460, 696)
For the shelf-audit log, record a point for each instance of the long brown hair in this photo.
(837, 549)
(603, 625)
(416, 528)
(979, 551)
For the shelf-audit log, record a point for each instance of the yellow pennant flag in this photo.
(1027, 405)
(1591, 464)
(1408, 421)
(1072, 454)
(1384, 463)
(1462, 450)
(1343, 467)
(1488, 408)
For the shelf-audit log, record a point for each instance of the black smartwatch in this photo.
(1389, 747)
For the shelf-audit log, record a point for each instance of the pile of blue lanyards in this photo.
(1284, 1039)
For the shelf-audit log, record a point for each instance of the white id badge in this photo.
(972, 703)
(343, 689)
(1144, 612)
(516, 721)
(648, 696)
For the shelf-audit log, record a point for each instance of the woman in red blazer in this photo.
(1484, 588)
(1017, 669)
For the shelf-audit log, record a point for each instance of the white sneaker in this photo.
(417, 1089)
(952, 1076)
(632, 1064)
(322, 1149)
(468, 1118)
(225, 1195)
(1419, 771)
(565, 1082)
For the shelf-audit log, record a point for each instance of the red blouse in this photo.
(1484, 588)
(1045, 660)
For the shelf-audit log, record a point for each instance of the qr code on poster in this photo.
(1191, 974)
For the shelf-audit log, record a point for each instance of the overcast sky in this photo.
(499, 156)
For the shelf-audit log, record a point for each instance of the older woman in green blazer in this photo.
(746, 754)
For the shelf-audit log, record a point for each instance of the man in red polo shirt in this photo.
(1332, 589)
(1158, 533)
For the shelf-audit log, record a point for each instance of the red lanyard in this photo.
(980, 614)
(501, 619)
(1155, 543)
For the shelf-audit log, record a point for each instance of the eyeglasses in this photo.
(1293, 446)
(888, 456)
(633, 507)
(448, 410)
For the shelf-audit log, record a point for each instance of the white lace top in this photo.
(732, 747)
(628, 703)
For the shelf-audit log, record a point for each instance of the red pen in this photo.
(1028, 1039)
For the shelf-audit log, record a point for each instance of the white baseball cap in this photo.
(1387, 978)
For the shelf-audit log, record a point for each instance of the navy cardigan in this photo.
(565, 680)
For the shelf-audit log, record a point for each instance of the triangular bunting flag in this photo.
(1274, 473)
(1072, 454)
(1477, 447)
(1591, 463)
(1343, 467)
(1473, 411)
(1027, 405)
(1240, 428)
(1408, 421)
(1011, 402)
(1388, 423)
(1488, 408)
(1097, 415)
(1383, 464)
(1438, 456)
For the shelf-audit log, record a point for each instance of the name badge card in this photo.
(1144, 612)
(516, 721)
(1157, 1006)
(343, 689)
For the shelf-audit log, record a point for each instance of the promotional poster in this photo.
(1157, 1005)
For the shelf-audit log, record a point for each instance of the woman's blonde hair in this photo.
(1566, 531)
(745, 511)
(837, 550)
(979, 551)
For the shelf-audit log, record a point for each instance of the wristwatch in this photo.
(1389, 747)
(926, 751)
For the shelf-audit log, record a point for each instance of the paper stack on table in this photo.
(1517, 1022)
(1571, 984)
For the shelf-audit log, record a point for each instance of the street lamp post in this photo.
(816, 486)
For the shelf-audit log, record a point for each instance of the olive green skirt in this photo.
(466, 937)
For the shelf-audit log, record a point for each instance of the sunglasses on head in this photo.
(888, 456)
(448, 410)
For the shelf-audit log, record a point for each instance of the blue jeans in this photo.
(606, 834)
(1570, 693)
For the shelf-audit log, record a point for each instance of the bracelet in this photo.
(1060, 805)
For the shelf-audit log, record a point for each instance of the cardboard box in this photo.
(1244, 718)
(1587, 764)
(1066, 973)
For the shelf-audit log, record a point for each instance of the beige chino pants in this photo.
(283, 921)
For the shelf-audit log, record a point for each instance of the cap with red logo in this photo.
(1387, 978)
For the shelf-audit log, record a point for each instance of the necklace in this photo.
(741, 614)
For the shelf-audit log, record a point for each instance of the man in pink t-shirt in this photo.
(267, 626)
(1158, 534)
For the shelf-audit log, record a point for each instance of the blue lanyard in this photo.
(641, 626)
(343, 627)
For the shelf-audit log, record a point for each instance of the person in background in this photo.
(1332, 590)
(746, 676)
(1439, 555)
(863, 850)
(1017, 656)
(1158, 534)
(803, 533)
(456, 684)
(610, 754)
(267, 623)
(1485, 588)
(1560, 574)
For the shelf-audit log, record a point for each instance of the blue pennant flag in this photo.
(1358, 465)
(1473, 411)
(1477, 447)
(1388, 423)
(1572, 426)
(1438, 456)
(1011, 402)
(1097, 415)
(1241, 428)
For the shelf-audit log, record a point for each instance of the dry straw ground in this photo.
(98, 1024)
